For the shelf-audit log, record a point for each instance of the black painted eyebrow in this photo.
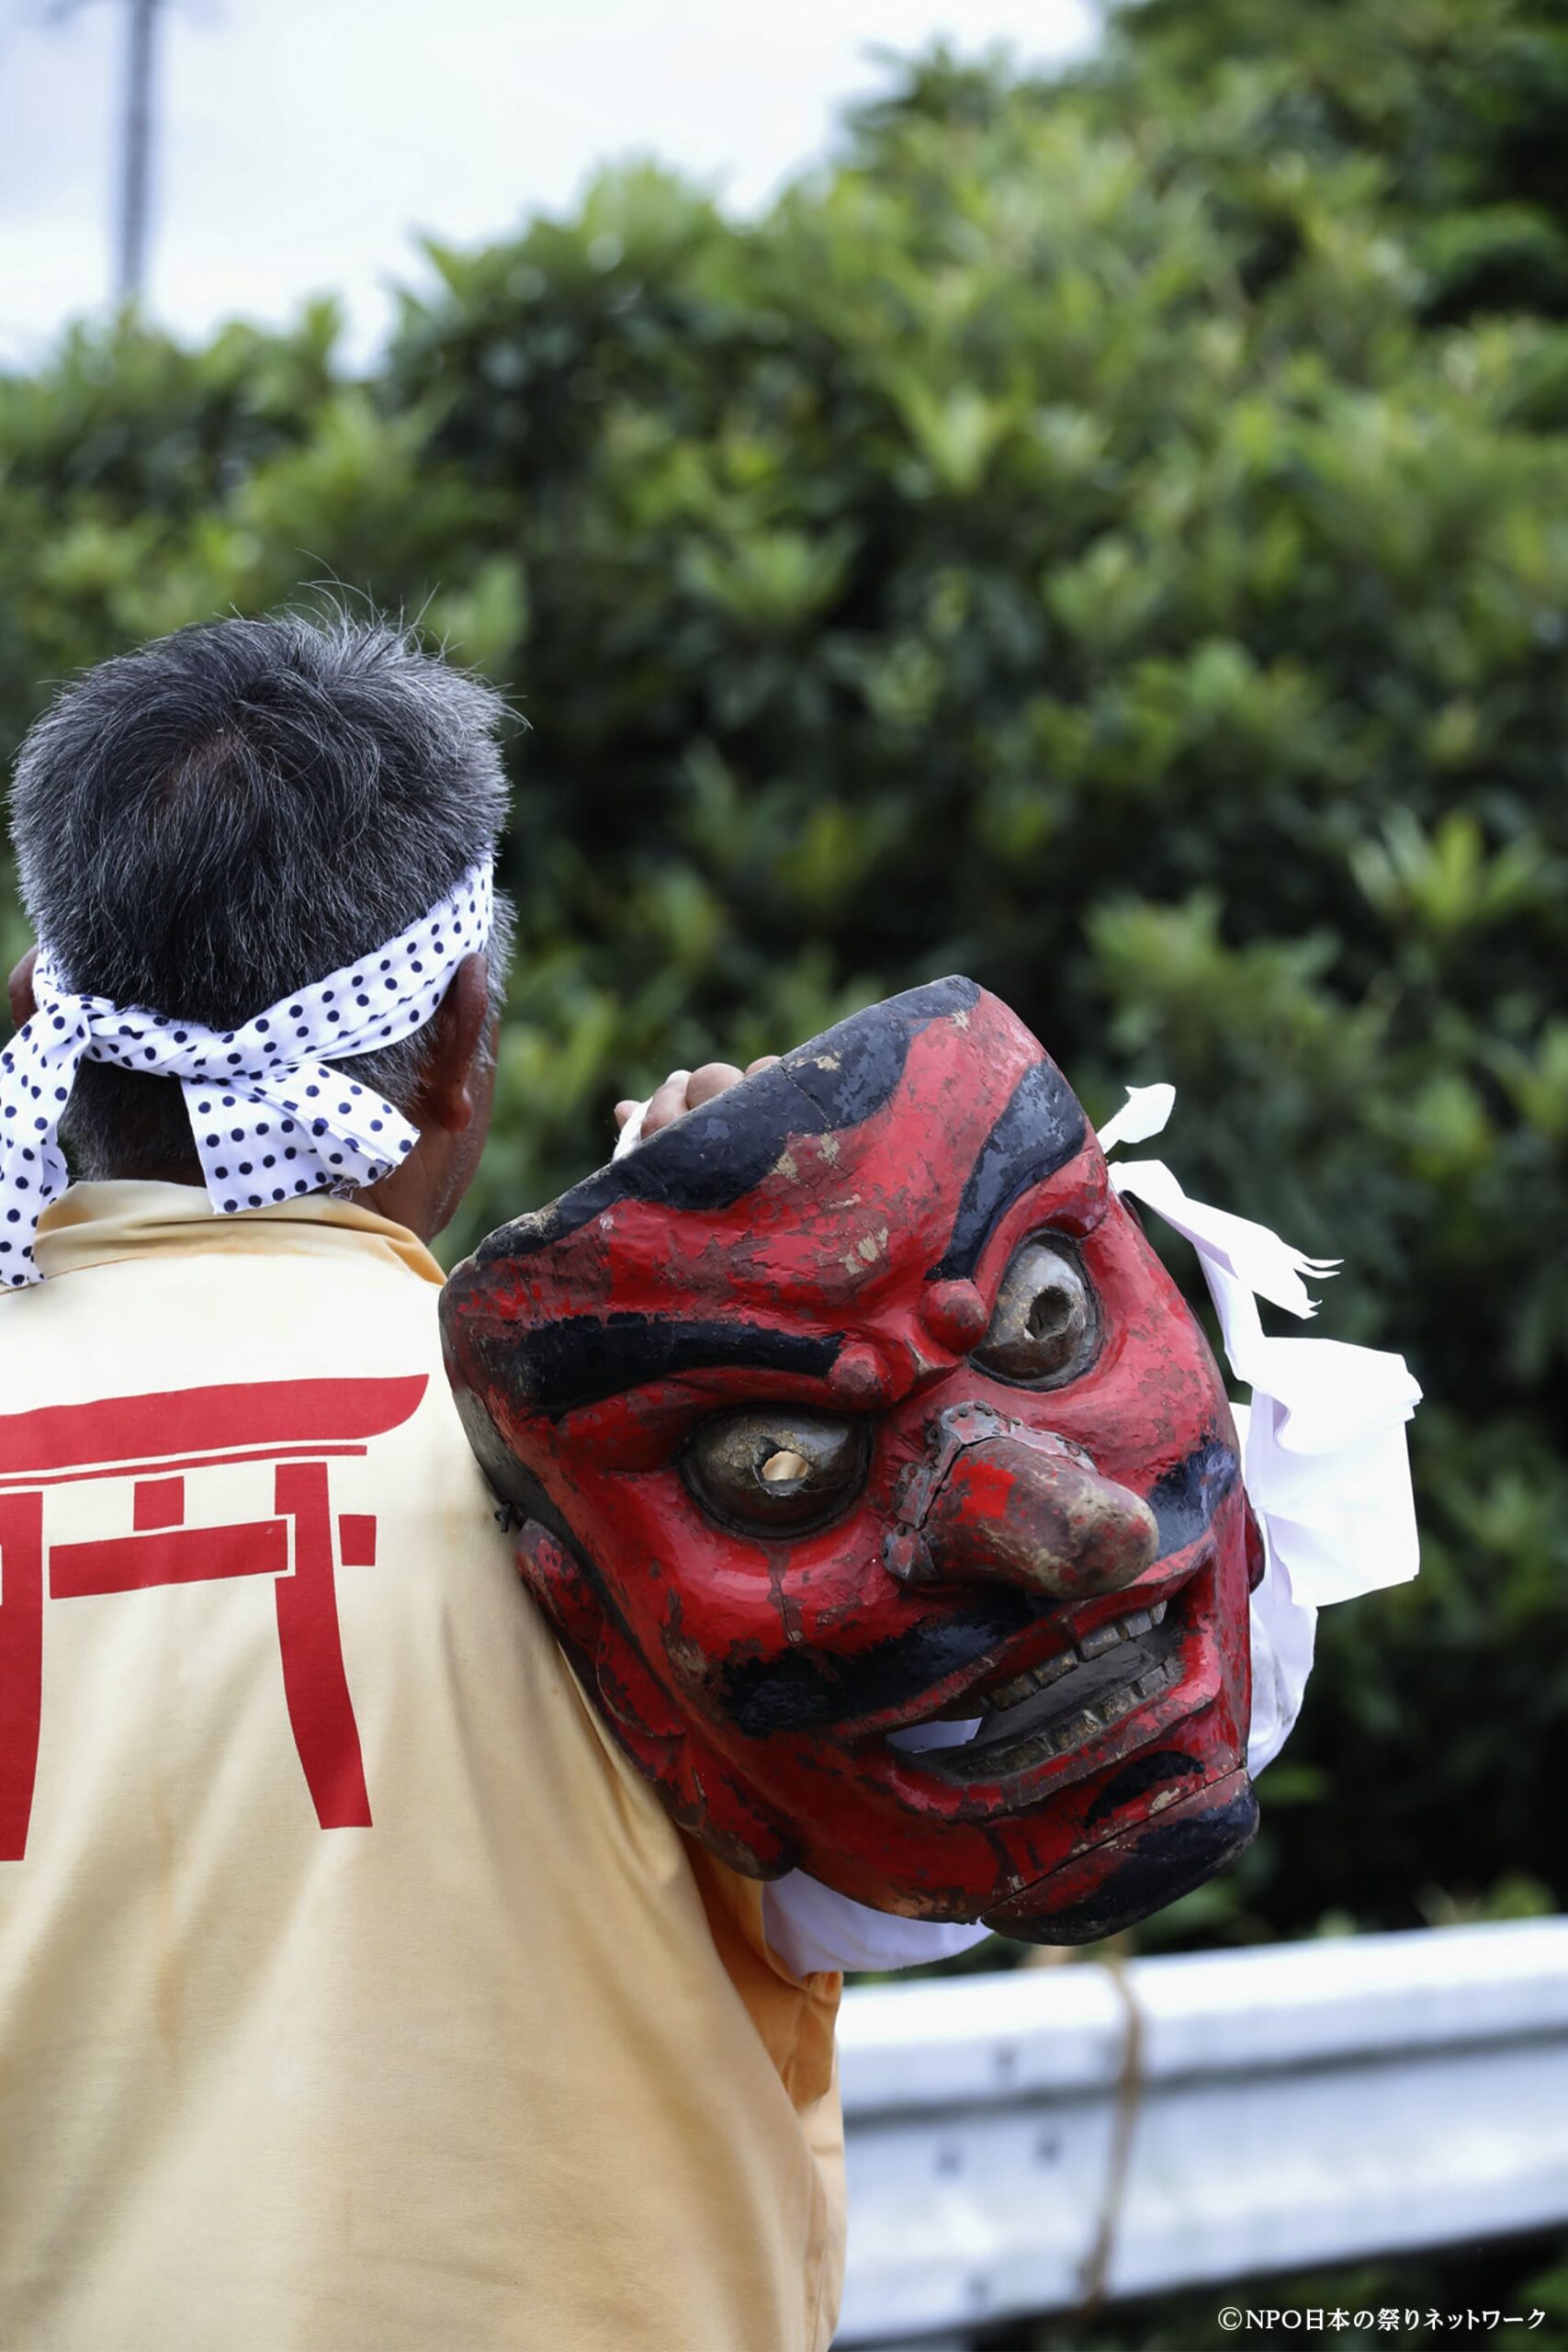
(583, 1359)
(1042, 1129)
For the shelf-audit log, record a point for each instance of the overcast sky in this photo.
(302, 143)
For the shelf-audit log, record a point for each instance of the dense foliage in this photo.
(1105, 535)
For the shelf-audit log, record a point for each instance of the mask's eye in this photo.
(1045, 1329)
(776, 1470)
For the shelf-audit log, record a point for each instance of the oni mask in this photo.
(853, 1402)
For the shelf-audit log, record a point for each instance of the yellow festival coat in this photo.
(355, 1993)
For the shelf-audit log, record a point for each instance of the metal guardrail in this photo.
(1019, 2143)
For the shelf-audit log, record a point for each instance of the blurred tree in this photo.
(1105, 535)
(1459, 108)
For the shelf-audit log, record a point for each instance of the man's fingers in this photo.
(713, 1078)
(668, 1101)
(684, 1089)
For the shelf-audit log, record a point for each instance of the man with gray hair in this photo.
(355, 1993)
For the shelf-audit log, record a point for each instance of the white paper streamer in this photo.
(631, 1134)
(810, 1927)
(1323, 1455)
(1143, 1115)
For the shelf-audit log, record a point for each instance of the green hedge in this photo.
(1105, 535)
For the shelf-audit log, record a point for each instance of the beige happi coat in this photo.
(355, 1995)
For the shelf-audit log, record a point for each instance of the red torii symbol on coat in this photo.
(298, 1425)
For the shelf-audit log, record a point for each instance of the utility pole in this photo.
(134, 207)
(136, 151)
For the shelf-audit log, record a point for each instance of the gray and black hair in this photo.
(231, 812)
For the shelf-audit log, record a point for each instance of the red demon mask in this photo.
(856, 1400)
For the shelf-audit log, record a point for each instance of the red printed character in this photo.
(852, 1414)
(300, 1426)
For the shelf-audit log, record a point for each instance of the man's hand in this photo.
(684, 1089)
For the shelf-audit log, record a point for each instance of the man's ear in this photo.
(447, 1096)
(19, 989)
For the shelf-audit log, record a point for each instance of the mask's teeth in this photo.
(1024, 1747)
(1122, 1629)
(1079, 1727)
(1157, 1679)
(1095, 1644)
(1109, 1708)
(1027, 1684)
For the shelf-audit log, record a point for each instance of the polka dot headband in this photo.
(270, 1119)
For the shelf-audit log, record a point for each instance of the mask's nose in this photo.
(1000, 1503)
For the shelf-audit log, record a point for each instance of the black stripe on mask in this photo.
(1042, 1129)
(585, 1358)
(719, 1152)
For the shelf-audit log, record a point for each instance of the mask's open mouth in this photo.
(1070, 1700)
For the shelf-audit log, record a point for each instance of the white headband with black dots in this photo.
(270, 1119)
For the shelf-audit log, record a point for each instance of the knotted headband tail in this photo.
(270, 1119)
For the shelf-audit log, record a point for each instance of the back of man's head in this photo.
(234, 812)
